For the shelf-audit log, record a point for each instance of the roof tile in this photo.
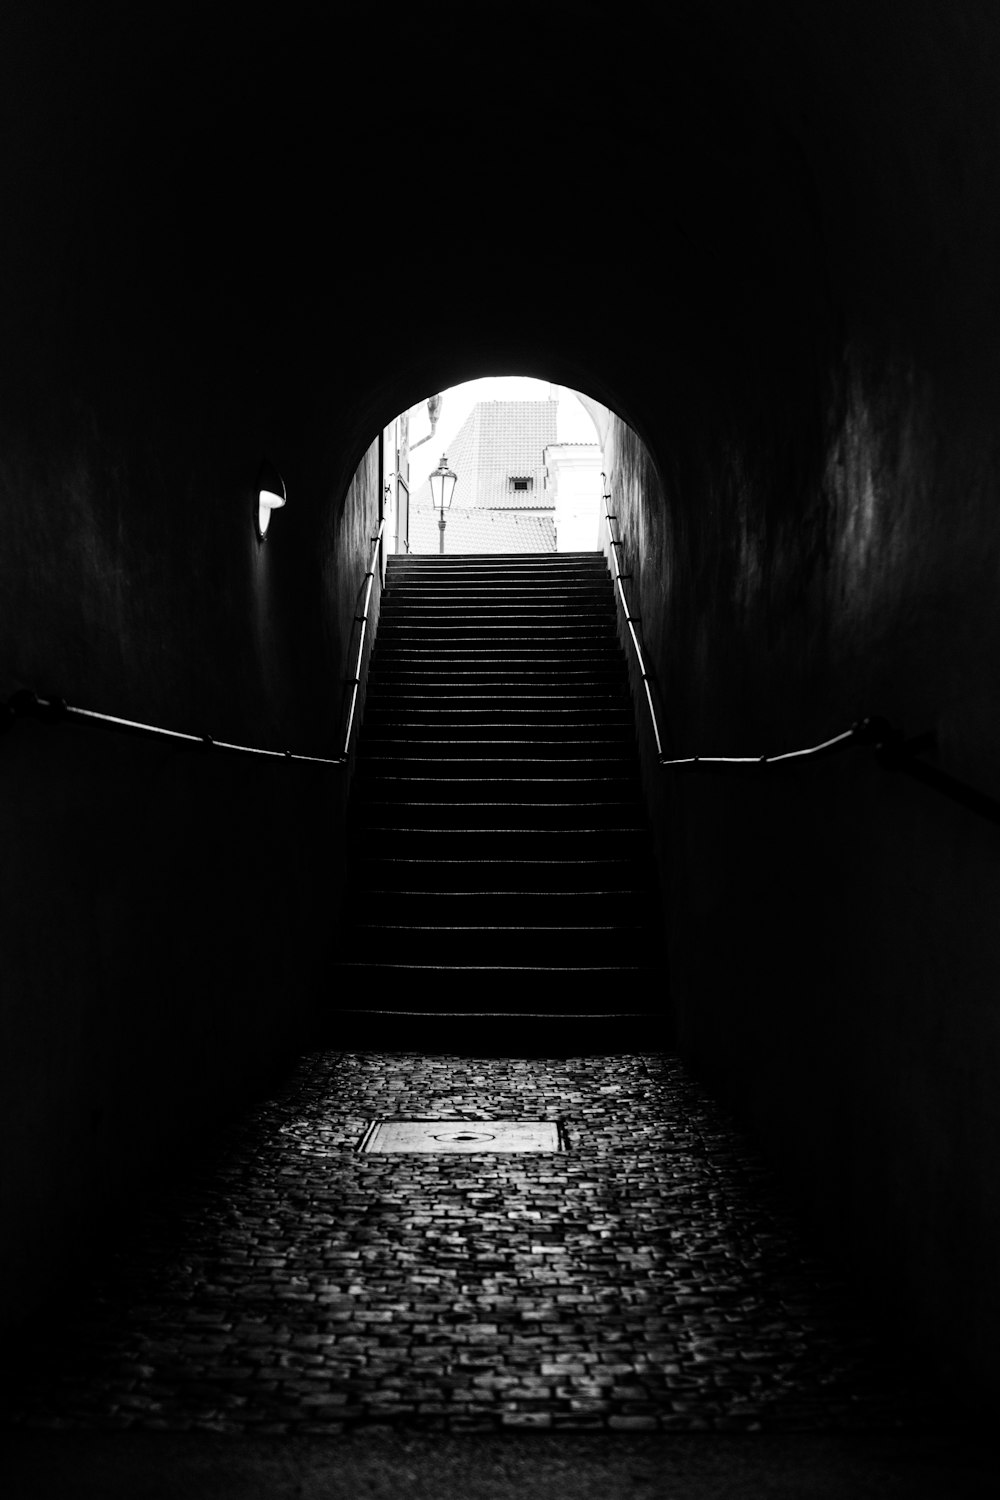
(482, 530)
(498, 440)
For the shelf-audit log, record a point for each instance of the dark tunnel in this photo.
(766, 238)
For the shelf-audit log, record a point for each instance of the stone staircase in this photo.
(500, 862)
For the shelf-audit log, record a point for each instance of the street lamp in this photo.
(443, 481)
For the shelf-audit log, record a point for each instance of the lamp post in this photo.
(443, 481)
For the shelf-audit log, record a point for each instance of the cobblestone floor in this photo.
(645, 1280)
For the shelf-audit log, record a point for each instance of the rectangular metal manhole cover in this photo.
(469, 1136)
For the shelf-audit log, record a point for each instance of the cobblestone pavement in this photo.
(642, 1281)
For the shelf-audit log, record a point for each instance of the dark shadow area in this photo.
(804, 1467)
(786, 285)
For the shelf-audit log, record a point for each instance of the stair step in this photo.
(579, 790)
(566, 973)
(415, 841)
(511, 686)
(434, 759)
(578, 710)
(501, 594)
(489, 906)
(519, 615)
(500, 947)
(476, 592)
(613, 732)
(497, 1032)
(504, 610)
(520, 631)
(473, 579)
(500, 817)
(507, 561)
(541, 699)
(474, 873)
(465, 996)
(464, 675)
(500, 859)
(444, 658)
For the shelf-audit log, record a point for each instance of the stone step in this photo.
(490, 906)
(498, 587)
(504, 816)
(459, 787)
(433, 727)
(447, 721)
(525, 989)
(494, 617)
(575, 595)
(499, 857)
(579, 704)
(558, 656)
(529, 631)
(542, 1031)
(526, 562)
(471, 575)
(437, 758)
(496, 946)
(398, 679)
(532, 697)
(575, 668)
(492, 839)
(474, 872)
(533, 604)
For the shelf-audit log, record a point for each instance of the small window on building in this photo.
(520, 483)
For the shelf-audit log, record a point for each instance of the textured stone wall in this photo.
(166, 911)
(832, 936)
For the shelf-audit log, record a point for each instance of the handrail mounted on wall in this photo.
(629, 620)
(892, 750)
(26, 704)
(362, 619)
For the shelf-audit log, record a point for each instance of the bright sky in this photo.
(573, 424)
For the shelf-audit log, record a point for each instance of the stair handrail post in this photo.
(616, 574)
(362, 619)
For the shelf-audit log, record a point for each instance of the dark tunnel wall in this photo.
(786, 287)
(167, 912)
(833, 939)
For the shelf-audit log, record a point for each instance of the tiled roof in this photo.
(481, 530)
(498, 441)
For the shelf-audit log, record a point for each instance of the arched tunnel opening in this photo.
(502, 870)
(768, 240)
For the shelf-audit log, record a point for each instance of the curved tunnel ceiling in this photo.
(741, 174)
(591, 173)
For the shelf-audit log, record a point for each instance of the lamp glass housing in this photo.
(443, 481)
(267, 501)
(270, 496)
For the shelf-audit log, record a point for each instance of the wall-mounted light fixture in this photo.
(270, 496)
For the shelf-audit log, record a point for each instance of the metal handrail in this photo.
(26, 704)
(891, 749)
(55, 710)
(362, 619)
(631, 624)
(852, 736)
